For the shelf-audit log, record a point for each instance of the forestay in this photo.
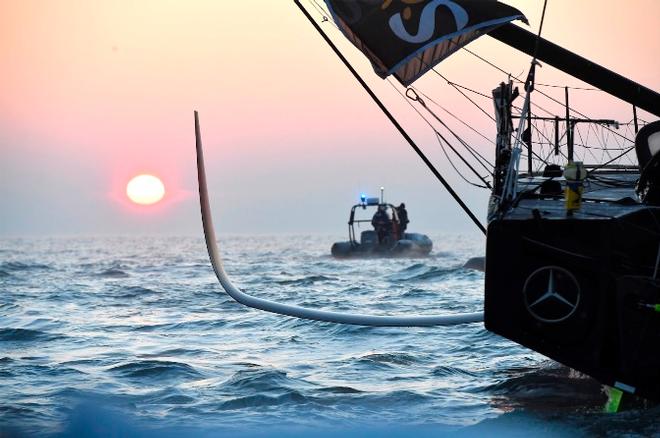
(406, 38)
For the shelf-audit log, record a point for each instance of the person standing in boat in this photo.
(402, 214)
(381, 223)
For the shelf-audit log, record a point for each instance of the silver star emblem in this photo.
(552, 293)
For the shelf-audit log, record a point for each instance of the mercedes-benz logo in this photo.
(551, 294)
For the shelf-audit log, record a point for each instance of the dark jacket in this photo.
(381, 220)
(403, 216)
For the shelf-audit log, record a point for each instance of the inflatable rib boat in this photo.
(387, 239)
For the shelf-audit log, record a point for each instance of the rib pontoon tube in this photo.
(295, 311)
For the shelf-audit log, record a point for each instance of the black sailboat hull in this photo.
(598, 313)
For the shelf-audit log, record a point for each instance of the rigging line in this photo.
(297, 311)
(536, 105)
(579, 132)
(389, 115)
(540, 91)
(572, 109)
(544, 161)
(326, 16)
(320, 10)
(473, 151)
(478, 93)
(561, 86)
(324, 13)
(582, 145)
(440, 139)
(602, 137)
(464, 95)
(540, 134)
(618, 141)
(631, 122)
(477, 156)
(502, 71)
(455, 117)
(438, 135)
(487, 184)
(538, 37)
(606, 150)
(597, 147)
(489, 63)
(488, 168)
(612, 160)
(416, 90)
(511, 179)
(469, 148)
(454, 85)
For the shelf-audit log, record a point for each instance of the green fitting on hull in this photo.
(613, 401)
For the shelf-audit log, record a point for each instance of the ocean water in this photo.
(134, 337)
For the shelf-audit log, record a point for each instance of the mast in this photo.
(503, 97)
(579, 67)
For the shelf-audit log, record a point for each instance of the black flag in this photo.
(408, 37)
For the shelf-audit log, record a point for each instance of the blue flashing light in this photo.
(363, 198)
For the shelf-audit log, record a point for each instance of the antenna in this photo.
(382, 196)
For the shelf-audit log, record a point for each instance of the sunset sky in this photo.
(94, 93)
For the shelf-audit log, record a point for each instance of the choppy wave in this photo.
(25, 335)
(307, 280)
(133, 337)
(112, 273)
(423, 272)
(22, 266)
(134, 292)
(447, 371)
(154, 369)
(391, 358)
(340, 390)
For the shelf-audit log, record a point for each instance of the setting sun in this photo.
(145, 189)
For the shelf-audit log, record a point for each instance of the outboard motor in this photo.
(647, 146)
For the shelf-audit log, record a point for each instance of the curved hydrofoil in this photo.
(296, 311)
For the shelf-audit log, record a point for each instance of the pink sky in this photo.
(92, 93)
